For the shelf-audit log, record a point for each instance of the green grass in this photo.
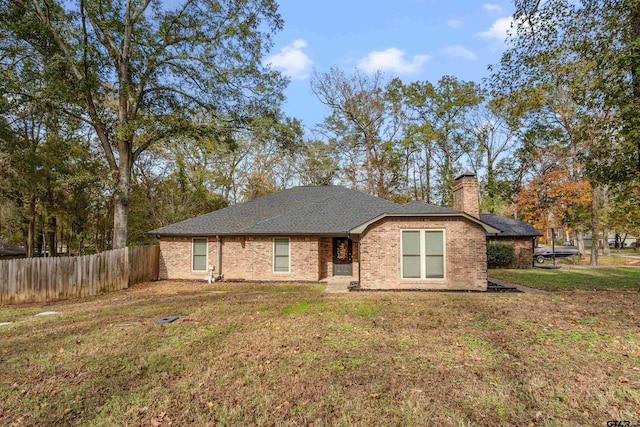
(250, 354)
(572, 278)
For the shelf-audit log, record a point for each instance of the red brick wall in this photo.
(251, 257)
(466, 195)
(465, 254)
(326, 259)
(523, 250)
(175, 258)
(245, 257)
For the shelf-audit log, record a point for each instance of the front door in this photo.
(342, 262)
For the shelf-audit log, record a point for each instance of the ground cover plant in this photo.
(255, 354)
(569, 278)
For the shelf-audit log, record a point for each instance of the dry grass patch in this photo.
(618, 258)
(245, 354)
(573, 278)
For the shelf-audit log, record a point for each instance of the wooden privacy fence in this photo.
(50, 279)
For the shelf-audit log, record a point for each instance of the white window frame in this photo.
(423, 262)
(273, 259)
(206, 254)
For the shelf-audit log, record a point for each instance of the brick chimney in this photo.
(466, 194)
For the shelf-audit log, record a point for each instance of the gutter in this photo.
(487, 227)
(279, 233)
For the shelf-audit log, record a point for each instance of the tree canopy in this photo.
(137, 73)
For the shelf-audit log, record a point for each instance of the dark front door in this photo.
(342, 262)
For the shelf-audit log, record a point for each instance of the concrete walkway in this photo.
(335, 287)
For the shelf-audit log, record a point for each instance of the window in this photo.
(423, 254)
(281, 255)
(411, 254)
(434, 254)
(199, 262)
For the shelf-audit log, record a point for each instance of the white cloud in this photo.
(498, 30)
(492, 7)
(392, 59)
(459, 52)
(454, 23)
(292, 61)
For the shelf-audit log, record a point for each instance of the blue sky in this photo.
(410, 39)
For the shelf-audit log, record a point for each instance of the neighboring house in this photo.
(10, 251)
(331, 233)
(629, 240)
(520, 235)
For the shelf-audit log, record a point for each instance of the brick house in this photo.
(520, 235)
(331, 233)
(10, 252)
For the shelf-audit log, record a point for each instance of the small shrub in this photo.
(500, 255)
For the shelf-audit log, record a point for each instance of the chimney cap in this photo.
(466, 174)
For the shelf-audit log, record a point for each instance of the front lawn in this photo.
(566, 278)
(252, 354)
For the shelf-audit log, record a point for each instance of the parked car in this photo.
(546, 252)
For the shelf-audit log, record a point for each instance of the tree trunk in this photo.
(605, 229)
(370, 178)
(51, 236)
(428, 175)
(635, 77)
(121, 197)
(580, 242)
(491, 180)
(43, 237)
(31, 231)
(606, 250)
(595, 224)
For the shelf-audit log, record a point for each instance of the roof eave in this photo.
(514, 235)
(279, 233)
(488, 228)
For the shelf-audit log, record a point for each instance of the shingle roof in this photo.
(298, 210)
(10, 250)
(317, 210)
(510, 227)
(419, 208)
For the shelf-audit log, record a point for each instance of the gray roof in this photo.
(420, 208)
(317, 210)
(10, 250)
(298, 210)
(510, 227)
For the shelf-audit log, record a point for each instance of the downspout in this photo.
(359, 251)
(533, 252)
(219, 240)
